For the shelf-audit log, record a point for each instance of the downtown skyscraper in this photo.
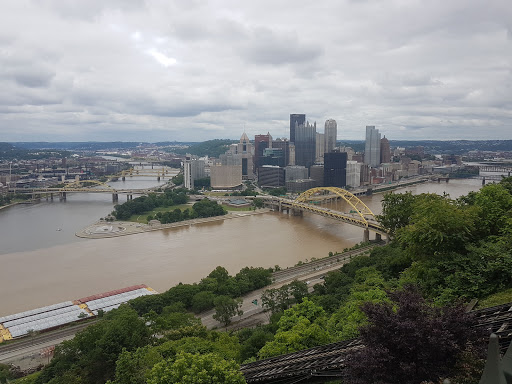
(330, 135)
(296, 119)
(305, 144)
(372, 146)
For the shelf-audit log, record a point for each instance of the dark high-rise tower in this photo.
(335, 169)
(295, 119)
(305, 144)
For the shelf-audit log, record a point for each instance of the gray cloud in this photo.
(150, 70)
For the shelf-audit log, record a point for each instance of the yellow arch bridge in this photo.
(360, 215)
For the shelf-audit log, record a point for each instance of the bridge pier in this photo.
(296, 212)
(366, 235)
(483, 180)
(51, 196)
(62, 196)
(115, 197)
(158, 178)
(378, 237)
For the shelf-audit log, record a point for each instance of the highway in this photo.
(311, 273)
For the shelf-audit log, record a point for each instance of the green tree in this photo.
(194, 368)
(134, 367)
(5, 373)
(202, 301)
(495, 203)
(91, 356)
(226, 308)
(397, 210)
(437, 225)
(369, 287)
(410, 341)
(302, 326)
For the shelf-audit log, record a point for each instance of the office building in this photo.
(385, 151)
(193, 169)
(272, 156)
(295, 120)
(288, 149)
(270, 176)
(320, 147)
(261, 142)
(335, 169)
(353, 174)
(296, 172)
(305, 144)
(242, 154)
(316, 172)
(297, 186)
(226, 176)
(372, 146)
(330, 135)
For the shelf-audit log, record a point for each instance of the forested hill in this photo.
(456, 146)
(77, 145)
(9, 152)
(212, 148)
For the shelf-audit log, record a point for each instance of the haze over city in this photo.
(193, 71)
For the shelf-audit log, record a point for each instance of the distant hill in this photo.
(9, 152)
(77, 145)
(455, 146)
(214, 148)
(211, 148)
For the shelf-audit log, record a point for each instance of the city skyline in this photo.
(152, 71)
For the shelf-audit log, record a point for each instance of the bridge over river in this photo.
(83, 186)
(359, 215)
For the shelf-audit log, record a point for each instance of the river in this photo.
(42, 262)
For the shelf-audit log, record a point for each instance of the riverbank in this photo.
(103, 229)
(7, 206)
(399, 184)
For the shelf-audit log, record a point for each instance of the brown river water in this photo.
(42, 262)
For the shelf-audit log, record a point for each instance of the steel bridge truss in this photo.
(360, 215)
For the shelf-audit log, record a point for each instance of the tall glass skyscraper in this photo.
(295, 120)
(305, 144)
(372, 146)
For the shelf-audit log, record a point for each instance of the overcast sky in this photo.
(135, 70)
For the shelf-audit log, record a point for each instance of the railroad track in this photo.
(30, 345)
(318, 265)
(324, 363)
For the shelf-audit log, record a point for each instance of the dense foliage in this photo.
(143, 204)
(410, 341)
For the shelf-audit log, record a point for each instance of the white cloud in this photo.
(161, 58)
